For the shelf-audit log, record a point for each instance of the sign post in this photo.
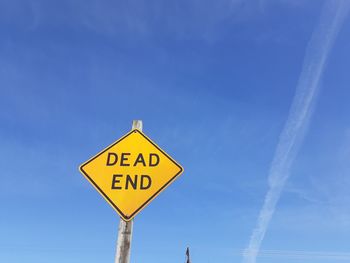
(124, 242)
(125, 228)
(129, 174)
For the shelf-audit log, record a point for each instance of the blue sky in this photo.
(213, 82)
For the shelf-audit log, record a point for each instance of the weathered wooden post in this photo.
(125, 228)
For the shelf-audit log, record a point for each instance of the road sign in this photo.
(131, 172)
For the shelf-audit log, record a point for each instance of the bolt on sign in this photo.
(131, 172)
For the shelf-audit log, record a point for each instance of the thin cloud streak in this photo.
(301, 255)
(332, 17)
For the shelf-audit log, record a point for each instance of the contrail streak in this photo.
(319, 46)
(300, 255)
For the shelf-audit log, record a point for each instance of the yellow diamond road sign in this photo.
(131, 172)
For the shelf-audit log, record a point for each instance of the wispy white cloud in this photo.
(303, 255)
(332, 17)
(137, 18)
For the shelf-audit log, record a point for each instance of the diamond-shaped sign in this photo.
(131, 172)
